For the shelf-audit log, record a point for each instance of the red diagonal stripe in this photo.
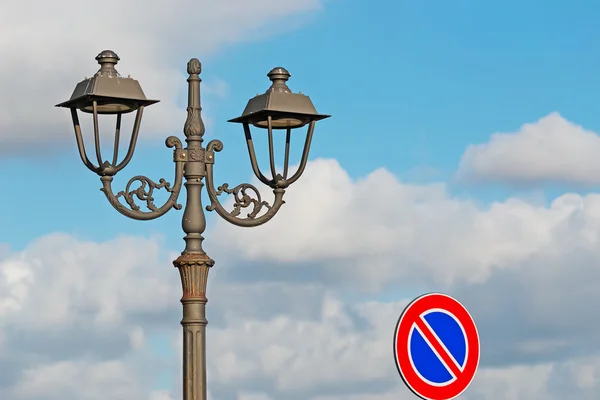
(437, 346)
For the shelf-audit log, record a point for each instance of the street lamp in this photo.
(277, 109)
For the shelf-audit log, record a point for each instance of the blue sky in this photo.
(411, 87)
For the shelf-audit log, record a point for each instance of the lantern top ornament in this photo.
(108, 90)
(287, 110)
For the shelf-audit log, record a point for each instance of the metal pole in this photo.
(193, 168)
(194, 263)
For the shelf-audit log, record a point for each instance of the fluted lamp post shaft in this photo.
(277, 109)
(194, 264)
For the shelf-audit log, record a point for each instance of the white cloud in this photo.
(84, 286)
(303, 354)
(324, 360)
(137, 337)
(254, 396)
(307, 308)
(407, 231)
(513, 263)
(551, 150)
(48, 47)
(75, 316)
(99, 381)
(163, 395)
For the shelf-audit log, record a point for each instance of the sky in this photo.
(461, 157)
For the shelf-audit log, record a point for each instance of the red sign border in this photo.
(420, 305)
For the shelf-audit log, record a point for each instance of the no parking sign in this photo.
(436, 347)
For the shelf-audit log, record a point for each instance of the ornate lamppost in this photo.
(277, 109)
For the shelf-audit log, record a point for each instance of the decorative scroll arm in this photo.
(145, 189)
(245, 195)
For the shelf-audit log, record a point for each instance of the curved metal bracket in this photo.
(146, 189)
(242, 198)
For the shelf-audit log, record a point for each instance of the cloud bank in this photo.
(550, 150)
(305, 307)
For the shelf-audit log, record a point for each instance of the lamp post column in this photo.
(194, 263)
(278, 108)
